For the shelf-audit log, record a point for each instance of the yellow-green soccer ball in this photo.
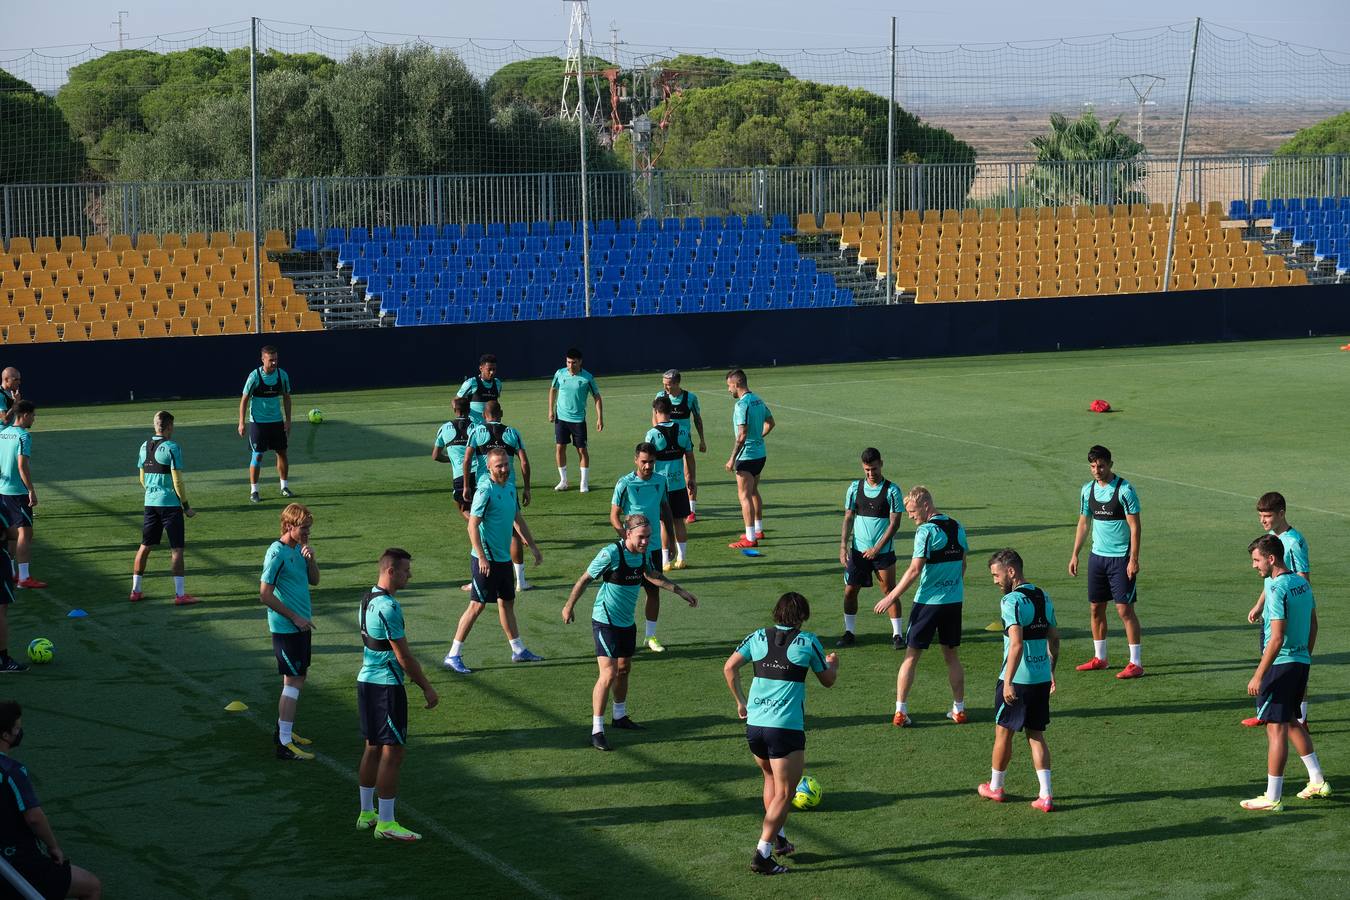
(40, 650)
(808, 793)
(315, 416)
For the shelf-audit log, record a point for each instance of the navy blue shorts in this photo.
(750, 466)
(463, 498)
(1107, 581)
(573, 433)
(774, 743)
(859, 570)
(48, 878)
(264, 436)
(383, 709)
(679, 503)
(161, 519)
(7, 577)
(292, 650)
(1031, 710)
(614, 641)
(498, 584)
(1282, 691)
(928, 619)
(17, 511)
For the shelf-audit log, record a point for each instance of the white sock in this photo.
(520, 572)
(136, 581)
(958, 706)
(902, 707)
(283, 483)
(692, 504)
(517, 645)
(1302, 711)
(759, 525)
(562, 474)
(896, 626)
(585, 476)
(1099, 649)
(996, 778)
(1043, 776)
(1136, 654)
(456, 648)
(651, 629)
(1314, 767)
(782, 832)
(367, 799)
(386, 809)
(850, 622)
(284, 731)
(597, 724)
(765, 849)
(749, 532)
(665, 557)
(681, 548)
(620, 709)
(23, 571)
(179, 585)
(1274, 787)
(253, 488)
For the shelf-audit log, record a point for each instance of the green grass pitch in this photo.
(152, 785)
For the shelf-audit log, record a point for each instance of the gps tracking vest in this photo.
(1106, 510)
(462, 427)
(484, 391)
(952, 551)
(878, 507)
(775, 665)
(153, 466)
(267, 390)
(497, 438)
(671, 432)
(1040, 623)
(679, 410)
(380, 645)
(626, 575)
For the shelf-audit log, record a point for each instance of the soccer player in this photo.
(775, 714)
(492, 434)
(872, 506)
(1111, 505)
(1288, 635)
(381, 698)
(622, 566)
(16, 488)
(493, 519)
(684, 408)
(482, 387)
(289, 571)
(10, 382)
(161, 465)
(26, 836)
(674, 460)
(567, 411)
(1022, 696)
(450, 446)
(267, 403)
(1270, 509)
(938, 564)
(751, 423)
(645, 492)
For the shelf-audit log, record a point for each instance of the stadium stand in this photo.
(1312, 233)
(161, 286)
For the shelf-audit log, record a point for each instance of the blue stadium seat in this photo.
(426, 233)
(564, 228)
(1237, 209)
(781, 223)
(305, 241)
(649, 226)
(539, 228)
(693, 223)
(334, 238)
(604, 226)
(451, 231)
(518, 229)
(733, 223)
(405, 233)
(496, 230)
(358, 236)
(627, 226)
(381, 233)
(361, 270)
(712, 223)
(474, 230)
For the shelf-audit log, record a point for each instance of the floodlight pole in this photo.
(890, 178)
(585, 211)
(254, 174)
(1181, 153)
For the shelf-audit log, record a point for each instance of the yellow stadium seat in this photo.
(234, 325)
(243, 239)
(311, 320)
(1298, 276)
(170, 275)
(834, 223)
(55, 260)
(119, 243)
(142, 309)
(45, 333)
(157, 258)
(147, 242)
(117, 311)
(850, 236)
(208, 325)
(80, 260)
(155, 328)
(44, 245)
(156, 293)
(182, 258)
(210, 256)
(171, 242)
(180, 327)
(8, 316)
(19, 245)
(195, 309)
(42, 279)
(195, 240)
(74, 331)
(196, 273)
(30, 262)
(101, 331)
(129, 329)
(182, 291)
(95, 243)
(806, 224)
(89, 312)
(285, 322)
(869, 218)
(221, 239)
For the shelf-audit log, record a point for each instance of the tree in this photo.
(695, 71)
(1085, 162)
(538, 82)
(36, 143)
(1290, 176)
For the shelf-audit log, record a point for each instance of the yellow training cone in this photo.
(994, 626)
(236, 706)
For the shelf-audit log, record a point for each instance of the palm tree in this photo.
(1085, 162)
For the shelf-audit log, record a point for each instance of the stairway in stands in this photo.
(325, 289)
(844, 266)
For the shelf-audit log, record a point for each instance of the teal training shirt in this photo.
(445, 438)
(867, 530)
(781, 704)
(940, 582)
(287, 571)
(672, 469)
(266, 409)
(683, 409)
(473, 387)
(495, 505)
(1290, 598)
(633, 495)
(1017, 609)
(481, 437)
(615, 603)
(572, 393)
(159, 487)
(14, 443)
(384, 622)
(1295, 551)
(1110, 537)
(751, 412)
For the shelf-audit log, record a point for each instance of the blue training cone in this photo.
(77, 614)
(751, 551)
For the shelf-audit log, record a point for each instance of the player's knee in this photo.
(255, 459)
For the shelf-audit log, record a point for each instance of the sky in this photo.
(702, 24)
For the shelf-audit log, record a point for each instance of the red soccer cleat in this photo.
(137, 596)
(901, 720)
(1044, 804)
(988, 793)
(1092, 664)
(1253, 722)
(759, 535)
(185, 600)
(31, 582)
(691, 518)
(1131, 671)
(743, 544)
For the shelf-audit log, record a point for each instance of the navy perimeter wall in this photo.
(392, 357)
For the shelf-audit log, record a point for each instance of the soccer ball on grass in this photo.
(40, 650)
(315, 416)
